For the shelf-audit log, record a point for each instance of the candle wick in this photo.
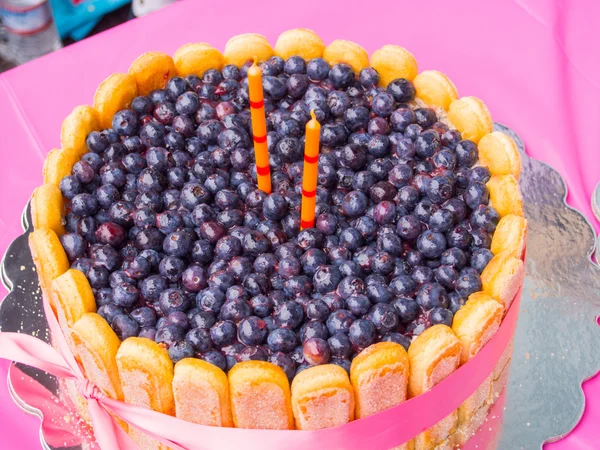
(312, 114)
(255, 60)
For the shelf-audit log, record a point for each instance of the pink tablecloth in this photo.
(535, 63)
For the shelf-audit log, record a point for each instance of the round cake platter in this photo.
(556, 339)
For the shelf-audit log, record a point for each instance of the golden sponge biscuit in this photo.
(341, 51)
(476, 322)
(201, 393)
(322, 397)
(499, 153)
(49, 258)
(76, 126)
(197, 58)
(379, 376)
(299, 42)
(501, 372)
(510, 236)
(393, 61)
(435, 89)
(245, 47)
(260, 396)
(96, 347)
(505, 195)
(151, 71)
(502, 278)
(72, 295)
(146, 373)
(58, 164)
(114, 94)
(47, 208)
(471, 117)
(467, 429)
(433, 355)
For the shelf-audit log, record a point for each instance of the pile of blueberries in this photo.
(179, 245)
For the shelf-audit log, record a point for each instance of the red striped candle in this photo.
(311, 173)
(259, 127)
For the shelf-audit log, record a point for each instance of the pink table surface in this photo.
(535, 63)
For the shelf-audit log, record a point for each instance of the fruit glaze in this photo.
(184, 288)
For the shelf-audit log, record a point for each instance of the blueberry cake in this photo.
(183, 288)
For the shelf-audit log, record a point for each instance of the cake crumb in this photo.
(22, 268)
(526, 355)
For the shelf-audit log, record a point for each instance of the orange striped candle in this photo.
(311, 173)
(259, 127)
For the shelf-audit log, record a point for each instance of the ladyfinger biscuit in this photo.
(113, 94)
(505, 195)
(260, 396)
(379, 376)
(146, 373)
(499, 153)
(244, 47)
(299, 42)
(197, 58)
(341, 51)
(76, 126)
(510, 236)
(435, 89)
(96, 347)
(501, 372)
(474, 325)
(434, 355)
(393, 61)
(471, 117)
(151, 71)
(201, 393)
(72, 297)
(49, 258)
(47, 208)
(502, 278)
(58, 164)
(467, 429)
(322, 397)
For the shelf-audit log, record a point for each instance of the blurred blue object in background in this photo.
(76, 18)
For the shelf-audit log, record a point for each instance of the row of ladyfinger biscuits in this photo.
(140, 371)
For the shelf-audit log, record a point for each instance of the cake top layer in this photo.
(179, 245)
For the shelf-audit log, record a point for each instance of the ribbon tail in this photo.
(109, 434)
(156, 425)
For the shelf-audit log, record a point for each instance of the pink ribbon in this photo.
(380, 431)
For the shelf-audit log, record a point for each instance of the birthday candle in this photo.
(311, 173)
(259, 127)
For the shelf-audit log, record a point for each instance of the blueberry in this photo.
(223, 333)
(342, 75)
(425, 117)
(285, 362)
(274, 88)
(316, 351)
(476, 194)
(326, 279)
(397, 338)
(466, 153)
(446, 276)
(142, 105)
(402, 90)
(468, 283)
(485, 217)
(431, 243)
(144, 316)
(235, 310)
(317, 69)
(431, 295)
(125, 122)
(310, 238)
(406, 308)
(354, 204)
(172, 300)
(216, 358)
(83, 205)
(384, 317)
(383, 104)
(240, 267)
(368, 77)
(338, 102)
(340, 321)
(362, 333)
(356, 118)
(110, 311)
(358, 305)
(180, 350)
(459, 237)
(74, 245)
(124, 326)
(289, 314)
(275, 207)
(480, 259)
(454, 257)
(408, 227)
(96, 142)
